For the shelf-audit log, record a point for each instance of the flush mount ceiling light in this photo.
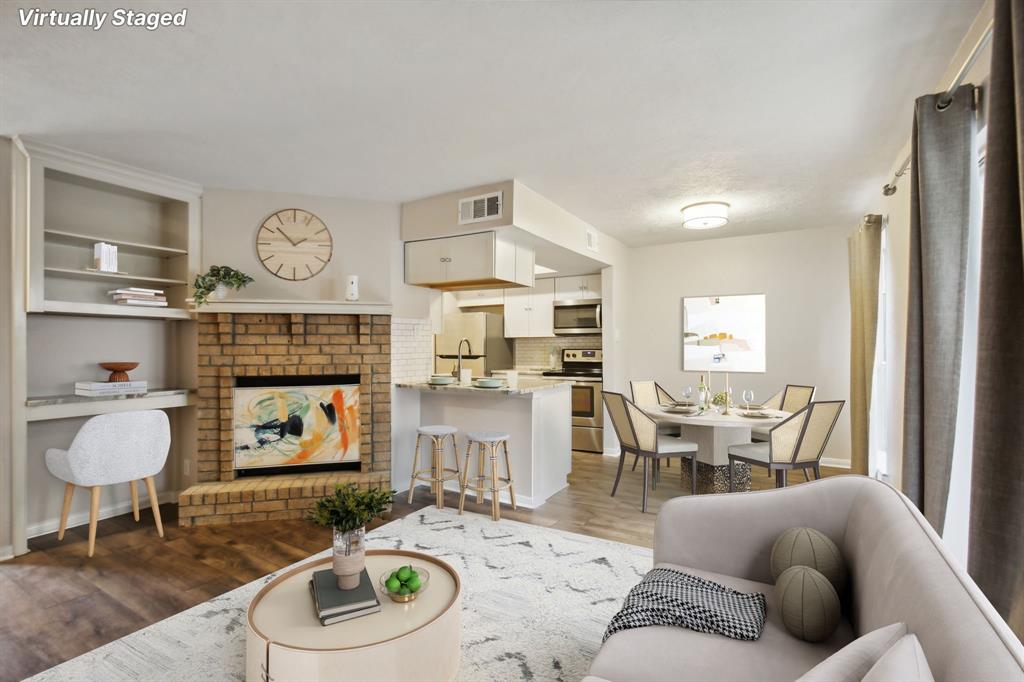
(705, 215)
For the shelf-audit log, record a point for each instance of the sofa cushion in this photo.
(904, 662)
(853, 661)
(671, 653)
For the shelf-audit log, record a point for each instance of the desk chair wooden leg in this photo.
(135, 500)
(465, 475)
(817, 472)
(618, 473)
(732, 487)
(807, 476)
(69, 491)
(636, 459)
(154, 502)
(780, 478)
(94, 516)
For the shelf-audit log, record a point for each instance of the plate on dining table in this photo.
(681, 403)
(682, 409)
(758, 414)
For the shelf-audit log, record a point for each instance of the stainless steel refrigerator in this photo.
(486, 335)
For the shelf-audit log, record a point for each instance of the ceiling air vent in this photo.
(480, 208)
(593, 243)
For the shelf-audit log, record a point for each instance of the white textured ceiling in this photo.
(619, 112)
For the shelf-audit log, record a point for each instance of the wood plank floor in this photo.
(57, 603)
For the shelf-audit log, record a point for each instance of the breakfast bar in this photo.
(536, 413)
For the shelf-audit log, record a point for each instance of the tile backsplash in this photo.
(535, 352)
(412, 349)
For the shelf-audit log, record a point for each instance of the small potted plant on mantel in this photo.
(216, 283)
(348, 511)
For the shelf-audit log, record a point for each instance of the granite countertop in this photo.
(524, 386)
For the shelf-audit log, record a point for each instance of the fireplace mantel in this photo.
(272, 305)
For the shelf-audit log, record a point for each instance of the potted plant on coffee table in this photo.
(347, 511)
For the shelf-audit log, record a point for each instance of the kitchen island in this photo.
(536, 413)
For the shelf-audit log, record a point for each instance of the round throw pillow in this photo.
(808, 604)
(809, 547)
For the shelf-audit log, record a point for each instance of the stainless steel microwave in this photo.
(578, 317)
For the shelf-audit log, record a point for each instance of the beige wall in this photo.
(803, 273)
(364, 233)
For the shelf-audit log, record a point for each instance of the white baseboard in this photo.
(82, 518)
(835, 463)
(6, 552)
(612, 452)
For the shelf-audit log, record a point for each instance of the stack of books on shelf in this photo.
(151, 298)
(112, 389)
(333, 605)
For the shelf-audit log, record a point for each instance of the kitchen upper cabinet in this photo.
(529, 311)
(577, 288)
(478, 297)
(484, 260)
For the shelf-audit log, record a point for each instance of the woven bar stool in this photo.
(436, 475)
(487, 443)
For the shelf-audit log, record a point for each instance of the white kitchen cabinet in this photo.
(529, 311)
(480, 260)
(577, 288)
(478, 297)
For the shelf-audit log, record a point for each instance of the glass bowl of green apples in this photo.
(405, 583)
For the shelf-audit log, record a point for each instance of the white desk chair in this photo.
(123, 447)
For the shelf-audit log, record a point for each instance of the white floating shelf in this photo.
(65, 237)
(254, 305)
(112, 276)
(114, 310)
(41, 408)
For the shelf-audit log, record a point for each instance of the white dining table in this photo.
(714, 432)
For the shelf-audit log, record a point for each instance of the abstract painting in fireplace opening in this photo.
(285, 426)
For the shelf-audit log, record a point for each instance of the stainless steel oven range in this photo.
(583, 368)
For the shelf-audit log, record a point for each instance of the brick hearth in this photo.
(245, 344)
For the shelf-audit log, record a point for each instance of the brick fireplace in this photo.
(233, 345)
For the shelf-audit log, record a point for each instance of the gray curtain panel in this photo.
(865, 247)
(939, 223)
(996, 543)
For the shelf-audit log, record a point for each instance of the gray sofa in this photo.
(899, 572)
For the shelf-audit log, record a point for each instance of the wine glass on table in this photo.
(748, 397)
(688, 395)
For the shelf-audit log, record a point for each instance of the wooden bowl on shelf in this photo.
(118, 370)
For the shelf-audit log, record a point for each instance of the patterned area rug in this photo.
(535, 605)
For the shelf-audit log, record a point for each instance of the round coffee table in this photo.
(419, 640)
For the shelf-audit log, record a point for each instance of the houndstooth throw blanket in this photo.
(669, 597)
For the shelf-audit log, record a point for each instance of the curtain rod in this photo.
(945, 99)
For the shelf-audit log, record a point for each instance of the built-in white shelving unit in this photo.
(41, 408)
(65, 202)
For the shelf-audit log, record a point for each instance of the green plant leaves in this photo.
(349, 508)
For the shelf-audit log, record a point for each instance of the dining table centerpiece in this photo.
(347, 511)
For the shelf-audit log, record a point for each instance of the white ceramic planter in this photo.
(349, 557)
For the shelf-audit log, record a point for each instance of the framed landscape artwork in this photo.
(724, 333)
(285, 426)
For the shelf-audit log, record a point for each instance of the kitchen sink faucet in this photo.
(457, 372)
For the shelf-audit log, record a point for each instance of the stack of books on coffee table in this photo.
(135, 296)
(333, 605)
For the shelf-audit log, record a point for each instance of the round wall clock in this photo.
(294, 244)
